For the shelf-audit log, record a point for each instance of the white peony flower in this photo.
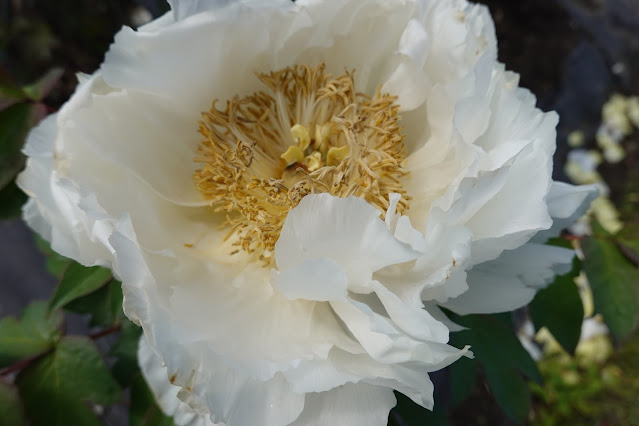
(286, 248)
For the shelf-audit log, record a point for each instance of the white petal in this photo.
(352, 404)
(237, 401)
(512, 280)
(313, 279)
(438, 274)
(506, 293)
(53, 209)
(385, 342)
(413, 320)
(454, 285)
(438, 314)
(566, 204)
(165, 393)
(152, 141)
(184, 8)
(265, 36)
(207, 379)
(346, 230)
(343, 367)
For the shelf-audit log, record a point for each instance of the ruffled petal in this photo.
(566, 204)
(53, 208)
(385, 342)
(165, 393)
(511, 280)
(152, 141)
(346, 230)
(314, 279)
(348, 405)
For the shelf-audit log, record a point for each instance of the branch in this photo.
(99, 334)
(26, 362)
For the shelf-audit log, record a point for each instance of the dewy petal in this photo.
(165, 393)
(353, 404)
(347, 230)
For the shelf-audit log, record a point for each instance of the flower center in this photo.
(310, 133)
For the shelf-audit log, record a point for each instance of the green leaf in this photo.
(125, 350)
(104, 305)
(615, 284)
(463, 377)
(144, 410)
(41, 88)
(510, 391)
(58, 388)
(558, 307)
(560, 242)
(10, 91)
(494, 342)
(502, 356)
(79, 281)
(15, 122)
(407, 413)
(55, 263)
(35, 333)
(11, 411)
(628, 239)
(11, 201)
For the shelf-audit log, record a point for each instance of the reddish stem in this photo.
(105, 332)
(21, 364)
(26, 362)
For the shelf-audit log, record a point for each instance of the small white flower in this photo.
(287, 261)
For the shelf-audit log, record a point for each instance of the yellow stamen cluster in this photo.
(260, 158)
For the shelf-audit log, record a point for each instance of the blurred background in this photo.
(575, 55)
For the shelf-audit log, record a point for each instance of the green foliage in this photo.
(104, 305)
(11, 201)
(61, 378)
(407, 413)
(58, 388)
(55, 264)
(585, 394)
(558, 307)
(614, 281)
(35, 333)
(510, 390)
(628, 242)
(502, 359)
(144, 411)
(41, 88)
(10, 91)
(15, 122)
(125, 350)
(463, 378)
(20, 109)
(79, 281)
(11, 411)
